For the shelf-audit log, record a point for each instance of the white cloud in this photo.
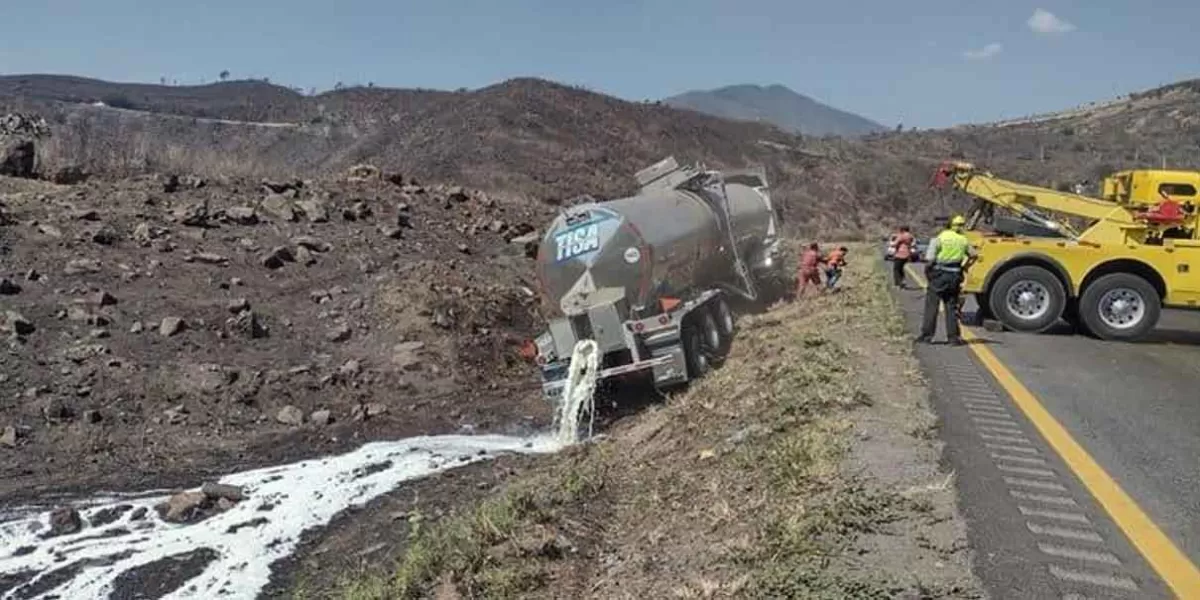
(1044, 21)
(983, 53)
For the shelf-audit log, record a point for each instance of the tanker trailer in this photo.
(648, 277)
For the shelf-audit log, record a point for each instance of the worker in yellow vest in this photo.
(947, 257)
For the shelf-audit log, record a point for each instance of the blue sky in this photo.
(923, 63)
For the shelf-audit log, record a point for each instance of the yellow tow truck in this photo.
(1106, 265)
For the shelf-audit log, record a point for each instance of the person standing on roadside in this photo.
(948, 255)
(809, 272)
(902, 248)
(834, 263)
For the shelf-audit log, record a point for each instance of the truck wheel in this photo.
(725, 324)
(1120, 306)
(693, 352)
(1027, 298)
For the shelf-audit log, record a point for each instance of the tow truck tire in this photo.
(1120, 307)
(1028, 298)
(694, 356)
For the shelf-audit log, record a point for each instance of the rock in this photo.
(277, 257)
(102, 299)
(374, 409)
(176, 415)
(105, 236)
(238, 305)
(80, 266)
(18, 157)
(357, 212)
(340, 333)
(145, 233)
(404, 220)
(290, 415)
(363, 172)
(14, 322)
(50, 230)
(136, 327)
(497, 226)
(193, 215)
(138, 514)
(312, 243)
(350, 369)
(526, 238)
(223, 491)
(321, 417)
(33, 275)
(8, 437)
(92, 417)
(315, 210)
(208, 258)
(391, 232)
(84, 214)
(279, 187)
(171, 326)
(70, 175)
(457, 194)
(464, 248)
(245, 325)
(406, 355)
(279, 207)
(80, 353)
(64, 521)
(55, 410)
(184, 507)
(242, 215)
(8, 288)
(305, 257)
(320, 296)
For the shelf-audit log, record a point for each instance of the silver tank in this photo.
(664, 241)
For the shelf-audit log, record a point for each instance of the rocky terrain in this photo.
(160, 328)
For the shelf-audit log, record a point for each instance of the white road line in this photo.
(1000, 430)
(1101, 579)
(1079, 554)
(996, 422)
(1021, 459)
(1065, 532)
(1054, 514)
(1027, 471)
(1059, 500)
(1006, 438)
(1030, 483)
(1021, 449)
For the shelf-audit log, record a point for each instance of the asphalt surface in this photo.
(1135, 408)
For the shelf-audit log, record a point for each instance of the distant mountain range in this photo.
(776, 105)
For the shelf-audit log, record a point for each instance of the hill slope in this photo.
(777, 105)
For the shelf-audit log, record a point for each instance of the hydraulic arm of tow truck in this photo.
(1111, 222)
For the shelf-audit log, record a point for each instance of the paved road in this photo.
(1134, 408)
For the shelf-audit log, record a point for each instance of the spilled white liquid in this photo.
(282, 502)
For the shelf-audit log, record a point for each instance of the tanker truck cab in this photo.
(649, 277)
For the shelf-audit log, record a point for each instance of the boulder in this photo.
(18, 158)
(64, 521)
(279, 206)
(171, 326)
(290, 415)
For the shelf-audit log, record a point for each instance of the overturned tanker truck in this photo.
(649, 277)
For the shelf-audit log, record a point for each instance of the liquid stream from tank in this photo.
(281, 503)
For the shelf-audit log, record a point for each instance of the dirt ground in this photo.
(160, 330)
(804, 467)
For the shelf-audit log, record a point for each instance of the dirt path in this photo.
(805, 467)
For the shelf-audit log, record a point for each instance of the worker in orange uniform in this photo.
(834, 263)
(902, 247)
(809, 272)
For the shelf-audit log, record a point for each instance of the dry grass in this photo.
(734, 488)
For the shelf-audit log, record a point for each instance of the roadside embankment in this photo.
(805, 467)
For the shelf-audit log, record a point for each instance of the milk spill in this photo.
(282, 502)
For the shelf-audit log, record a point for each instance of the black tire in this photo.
(726, 324)
(694, 356)
(1097, 301)
(983, 312)
(1035, 285)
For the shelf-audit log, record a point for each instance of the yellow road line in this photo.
(1168, 561)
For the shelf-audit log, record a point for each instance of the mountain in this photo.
(777, 105)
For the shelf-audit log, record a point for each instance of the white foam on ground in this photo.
(300, 495)
(305, 494)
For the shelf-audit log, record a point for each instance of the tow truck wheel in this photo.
(1120, 306)
(694, 355)
(1027, 298)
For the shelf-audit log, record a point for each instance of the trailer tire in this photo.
(1119, 306)
(1027, 298)
(694, 356)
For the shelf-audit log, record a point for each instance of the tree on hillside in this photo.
(224, 75)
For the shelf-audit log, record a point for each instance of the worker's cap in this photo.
(957, 221)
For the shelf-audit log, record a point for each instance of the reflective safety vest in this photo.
(952, 248)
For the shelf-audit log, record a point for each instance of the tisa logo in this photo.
(575, 242)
